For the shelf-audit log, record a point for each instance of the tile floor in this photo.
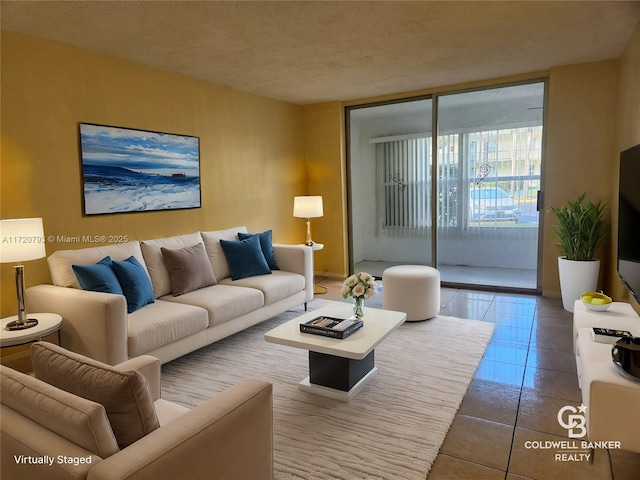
(521, 278)
(527, 374)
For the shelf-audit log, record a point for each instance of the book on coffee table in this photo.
(608, 335)
(331, 327)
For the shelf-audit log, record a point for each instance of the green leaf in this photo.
(580, 228)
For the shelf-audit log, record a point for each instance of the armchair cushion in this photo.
(124, 395)
(79, 420)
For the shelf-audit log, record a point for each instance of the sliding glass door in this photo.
(464, 202)
(390, 185)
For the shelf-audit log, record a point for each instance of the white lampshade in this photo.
(21, 239)
(308, 206)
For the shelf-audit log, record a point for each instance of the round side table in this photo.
(317, 289)
(47, 323)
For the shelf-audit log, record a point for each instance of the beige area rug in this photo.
(392, 430)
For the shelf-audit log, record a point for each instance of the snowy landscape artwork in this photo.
(126, 170)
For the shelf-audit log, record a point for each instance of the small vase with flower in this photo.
(359, 286)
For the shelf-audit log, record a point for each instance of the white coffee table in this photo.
(338, 369)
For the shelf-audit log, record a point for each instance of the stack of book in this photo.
(608, 335)
(331, 327)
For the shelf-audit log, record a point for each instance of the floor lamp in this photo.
(22, 240)
(309, 207)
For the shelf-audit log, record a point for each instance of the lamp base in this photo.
(17, 325)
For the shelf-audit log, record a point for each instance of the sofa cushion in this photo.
(77, 419)
(275, 287)
(155, 262)
(61, 261)
(222, 302)
(135, 283)
(214, 249)
(189, 268)
(266, 244)
(98, 277)
(162, 323)
(245, 257)
(124, 395)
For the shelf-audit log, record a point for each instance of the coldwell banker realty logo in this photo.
(574, 421)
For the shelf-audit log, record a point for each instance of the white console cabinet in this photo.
(611, 397)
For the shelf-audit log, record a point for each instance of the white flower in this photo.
(351, 281)
(360, 285)
(358, 290)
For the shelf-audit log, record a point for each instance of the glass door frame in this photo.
(434, 97)
(348, 163)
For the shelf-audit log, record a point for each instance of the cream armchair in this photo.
(50, 433)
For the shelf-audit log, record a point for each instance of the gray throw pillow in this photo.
(189, 269)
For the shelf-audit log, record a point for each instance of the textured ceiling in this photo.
(307, 52)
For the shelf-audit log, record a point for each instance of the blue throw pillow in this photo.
(135, 283)
(245, 257)
(266, 244)
(98, 277)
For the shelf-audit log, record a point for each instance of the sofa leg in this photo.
(305, 306)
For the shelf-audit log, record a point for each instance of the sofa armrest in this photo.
(229, 436)
(297, 259)
(149, 367)
(93, 323)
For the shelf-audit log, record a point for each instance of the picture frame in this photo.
(130, 170)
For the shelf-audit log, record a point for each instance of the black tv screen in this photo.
(629, 220)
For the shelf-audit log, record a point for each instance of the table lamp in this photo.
(308, 207)
(21, 239)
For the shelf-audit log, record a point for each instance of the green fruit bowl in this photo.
(598, 302)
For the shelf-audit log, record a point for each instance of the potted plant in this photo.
(580, 230)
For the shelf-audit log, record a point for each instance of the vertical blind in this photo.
(499, 160)
(404, 180)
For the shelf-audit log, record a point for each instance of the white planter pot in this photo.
(577, 278)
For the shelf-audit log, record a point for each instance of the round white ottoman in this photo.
(413, 289)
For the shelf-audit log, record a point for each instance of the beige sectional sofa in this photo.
(49, 432)
(98, 324)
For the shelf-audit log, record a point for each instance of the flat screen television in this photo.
(629, 220)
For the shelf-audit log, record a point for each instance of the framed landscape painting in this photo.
(127, 170)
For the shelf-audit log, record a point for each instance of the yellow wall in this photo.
(325, 166)
(628, 122)
(581, 150)
(251, 147)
